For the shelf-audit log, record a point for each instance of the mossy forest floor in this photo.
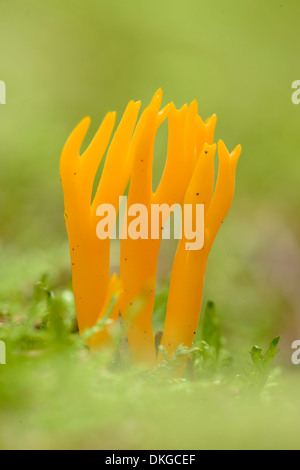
(56, 394)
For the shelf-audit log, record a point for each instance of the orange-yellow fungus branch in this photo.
(89, 255)
(185, 296)
(139, 257)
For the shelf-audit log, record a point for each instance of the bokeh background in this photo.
(64, 60)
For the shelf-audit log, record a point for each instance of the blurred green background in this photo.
(63, 60)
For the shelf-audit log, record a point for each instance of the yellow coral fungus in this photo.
(187, 180)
